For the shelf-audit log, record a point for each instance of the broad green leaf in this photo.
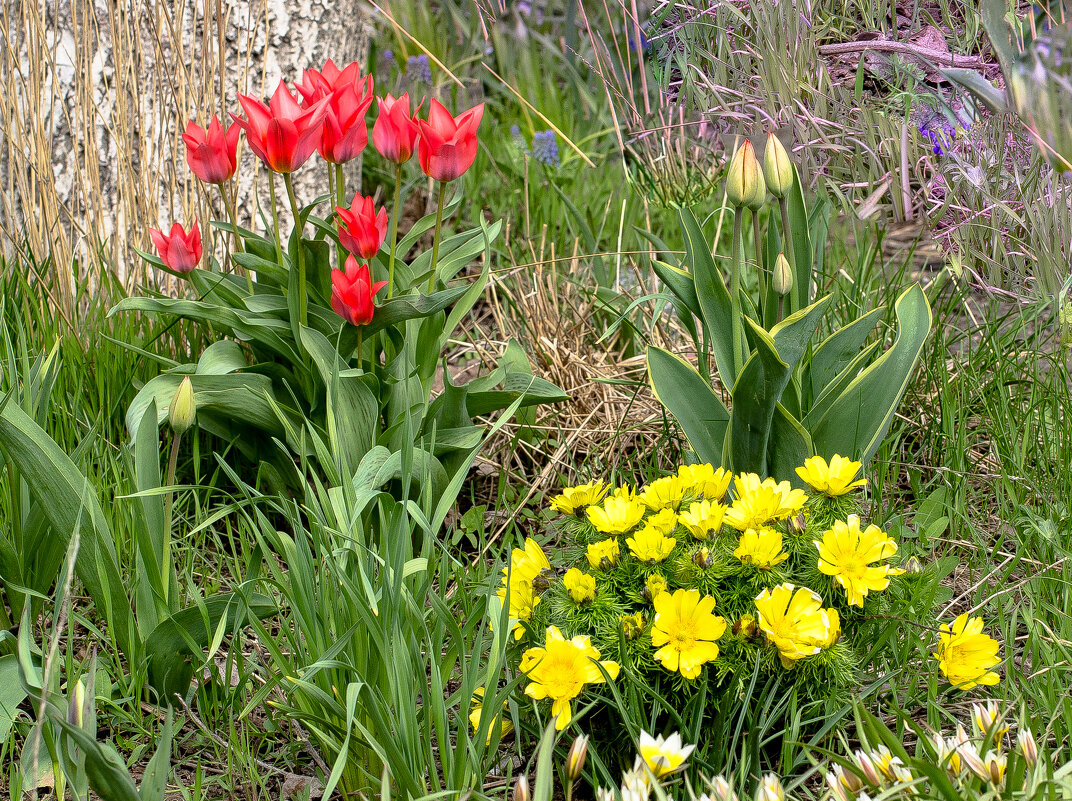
(712, 295)
(150, 588)
(790, 444)
(12, 693)
(266, 269)
(154, 780)
(411, 307)
(834, 388)
(169, 650)
(107, 772)
(532, 390)
(835, 352)
(995, 99)
(689, 398)
(756, 393)
(680, 283)
(859, 418)
(221, 357)
(797, 210)
(70, 503)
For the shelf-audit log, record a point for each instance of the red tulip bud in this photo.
(352, 292)
(395, 131)
(212, 154)
(179, 250)
(361, 228)
(447, 147)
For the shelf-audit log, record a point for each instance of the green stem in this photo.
(395, 214)
(340, 184)
(275, 219)
(303, 294)
(232, 213)
(757, 236)
(169, 500)
(787, 244)
(735, 295)
(435, 238)
(360, 340)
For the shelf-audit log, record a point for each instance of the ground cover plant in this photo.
(459, 424)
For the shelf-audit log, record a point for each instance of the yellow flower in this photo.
(655, 586)
(665, 520)
(521, 597)
(574, 499)
(664, 493)
(703, 518)
(687, 630)
(847, 554)
(616, 515)
(793, 621)
(650, 545)
(759, 502)
(604, 550)
(501, 726)
(625, 492)
(762, 548)
(633, 625)
(704, 481)
(560, 670)
(833, 627)
(965, 655)
(580, 586)
(832, 479)
(663, 755)
(995, 763)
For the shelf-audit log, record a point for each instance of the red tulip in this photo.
(318, 84)
(345, 133)
(352, 292)
(180, 251)
(361, 228)
(447, 147)
(211, 154)
(282, 134)
(395, 131)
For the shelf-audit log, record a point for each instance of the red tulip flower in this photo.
(345, 133)
(352, 292)
(180, 251)
(361, 228)
(212, 154)
(395, 131)
(315, 85)
(282, 133)
(447, 147)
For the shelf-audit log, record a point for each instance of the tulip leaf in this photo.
(836, 351)
(410, 307)
(834, 388)
(680, 283)
(995, 99)
(532, 390)
(105, 770)
(800, 236)
(712, 295)
(12, 693)
(859, 417)
(789, 445)
(686, 395)
(266, 269)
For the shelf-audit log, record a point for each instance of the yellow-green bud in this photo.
(783, 276)
(745, 627)
(183, 409)
(1028, 747)
(575, 760)
(770, 789)
(521, 789)
(777, 168)
(913, 566)
(76, 705)
(744, 181)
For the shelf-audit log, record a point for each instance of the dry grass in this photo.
(96, 94)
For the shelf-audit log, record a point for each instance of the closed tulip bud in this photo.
(770, 789)
(575, 760)
(837, 792)
(868, 768)
(783, 276)
(987, 718)
(180, 251)
(183, 409)
(1028, 747)
(995, 764)
(744, 182)
(970, 757)
(603, 794)
(777, 168)
(721, 789)
(521, 789)
(76, 705)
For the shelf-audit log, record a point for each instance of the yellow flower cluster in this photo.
(796, 623)
(518, 591)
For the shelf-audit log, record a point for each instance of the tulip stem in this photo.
(758, 236)
(169, 501)
(435, 238)
(396, 212)
(232, 213)
(737, 327)
(275, 219)
(303, 296)
(787, 243)
(360, 340)
(340, 201)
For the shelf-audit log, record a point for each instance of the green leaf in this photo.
(680, 283)
(797, 211)
(154, 781)
(70, 503)
(169, 650)
(107, 773)
(221, 357)
(267, 270)
(711, 293)
(790, 444)
(411, 307)
(532, 390)
(995, 99)
(689, 398)
(757, 391)
(859, 418)
(834, 389)
(835, 352)
(12, 693)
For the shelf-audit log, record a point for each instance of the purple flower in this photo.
(418, 69)
(545, 148)
(939, 132)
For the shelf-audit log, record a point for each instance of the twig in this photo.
(936, 56)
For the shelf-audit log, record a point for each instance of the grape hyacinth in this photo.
(518, 139)
(940, 132)
(545, 148)
(418, 69)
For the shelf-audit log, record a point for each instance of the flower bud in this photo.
(782, 282)
(987, 719)
(995, 764)
(777, 168)
(76, 705)
(183, 409)
(913, 566)
(703, 558)
(653, 587)
(633, 626)
(770, 789)
(745, 627)
(1028, 747)
(970, 757)
(721, 789)
(575, 760)
(868, 769)
(744, 183)
(521, 789)
(543, 580)
(797, 524)
(837, 792)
